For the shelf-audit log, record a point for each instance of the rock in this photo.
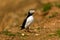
(36, 34)
(22, 34)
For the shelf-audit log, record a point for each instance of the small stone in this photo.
(36, 34)
(22, 34)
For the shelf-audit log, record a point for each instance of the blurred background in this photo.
(46, 20)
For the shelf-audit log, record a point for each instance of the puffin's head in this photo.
(31, 11)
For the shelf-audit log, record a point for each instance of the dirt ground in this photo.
(45, 26)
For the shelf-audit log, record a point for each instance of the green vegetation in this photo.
(57, 5)
(47, 7)
(6, 32)
(52, 35)
(58, 32)
(18, 34)
(38, 28)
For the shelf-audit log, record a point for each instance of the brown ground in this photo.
(13, 12)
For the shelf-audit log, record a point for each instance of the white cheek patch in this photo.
(32, 11)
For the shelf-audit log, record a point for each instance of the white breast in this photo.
(29, 21)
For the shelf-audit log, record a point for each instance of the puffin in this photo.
(28, 20)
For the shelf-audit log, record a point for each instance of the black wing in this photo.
(23, 24)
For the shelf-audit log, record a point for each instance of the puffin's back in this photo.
(23, 24)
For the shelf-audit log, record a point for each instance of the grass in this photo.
(57, 5)
(6, 32)
(50, 35)
(53, 15)
(58, 32)
(18, 34)
(47, 7)
(38, 28)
